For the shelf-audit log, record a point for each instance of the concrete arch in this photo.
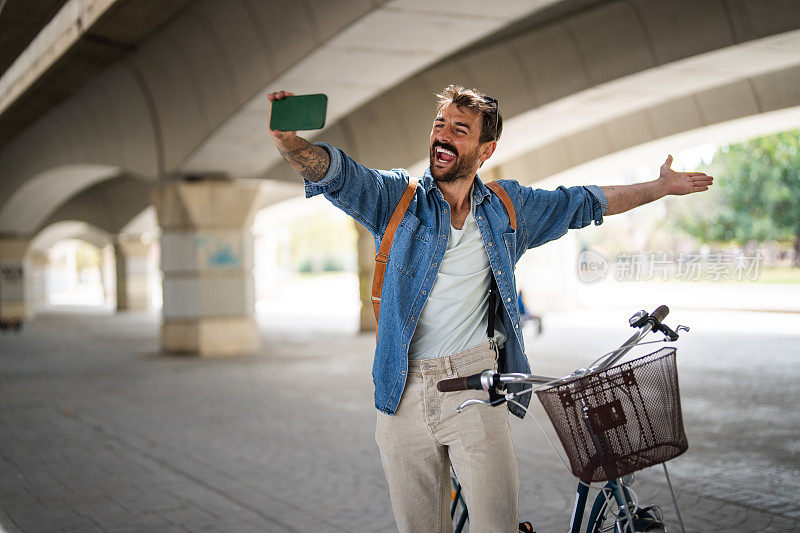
(605, 169)
(107, 123)
(27, 208)
(190, 99)
(37, 262)
(634, 61)
(68, 229)
(145, 222)
(148, 112)
(109, 205)
(728, 113)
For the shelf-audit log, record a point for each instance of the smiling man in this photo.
(454, 243)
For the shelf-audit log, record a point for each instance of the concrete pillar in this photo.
(36, 279)
(13, 302)
(108, 274)
(132, 254)
(366, 267)
(207, 261)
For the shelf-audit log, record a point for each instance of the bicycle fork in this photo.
(613, 489)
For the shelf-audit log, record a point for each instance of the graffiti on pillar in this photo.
(11, 272)
(220, 252)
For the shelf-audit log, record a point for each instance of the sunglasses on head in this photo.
(493, 101)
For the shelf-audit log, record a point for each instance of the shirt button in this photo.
(412, 318)
(402, 372)
(480, 218)
(404, 346)
(444, 236)
(508, 299)
(490, 244)
(516, 325)
(436, 264)
(499, 272)
(424, 293)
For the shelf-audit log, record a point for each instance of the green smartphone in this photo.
(304, 112)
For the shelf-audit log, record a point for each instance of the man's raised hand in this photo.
(308, 160)
(680, 183)
(283, 139)
(623, 198)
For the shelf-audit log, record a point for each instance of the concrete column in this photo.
(108, 273)
(13, 302)
(132, 256)
(207, 261)
(366, 267)
(36, 280)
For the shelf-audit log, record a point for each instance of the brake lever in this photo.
(495, 399)
(472, 401)
(671, 335)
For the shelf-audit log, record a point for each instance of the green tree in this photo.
(87, 257)
(756, 194)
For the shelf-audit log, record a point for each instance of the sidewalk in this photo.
(100, 432)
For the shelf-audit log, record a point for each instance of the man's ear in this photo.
(488, 150)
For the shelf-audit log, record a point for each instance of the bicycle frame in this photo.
(581, 496)
(622, 497)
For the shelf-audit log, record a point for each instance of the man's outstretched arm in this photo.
(623, 198)
(366, 194)
(309, 160)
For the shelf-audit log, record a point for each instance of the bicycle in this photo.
(611, 421)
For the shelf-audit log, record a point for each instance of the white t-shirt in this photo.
(455, 315)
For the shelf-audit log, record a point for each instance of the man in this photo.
(454, 238)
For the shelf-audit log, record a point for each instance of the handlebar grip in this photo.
(455, 384)
(661, 313)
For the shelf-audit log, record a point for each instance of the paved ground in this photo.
(98, 431)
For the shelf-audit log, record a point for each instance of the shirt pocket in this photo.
(409, 245)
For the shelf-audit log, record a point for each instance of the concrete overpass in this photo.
(117, 106)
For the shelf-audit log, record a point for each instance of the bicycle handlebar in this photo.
(660, 313)
(645, 324)
(455, 384)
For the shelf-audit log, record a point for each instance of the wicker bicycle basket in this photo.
(619, 420)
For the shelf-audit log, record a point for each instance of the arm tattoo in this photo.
(310, 161)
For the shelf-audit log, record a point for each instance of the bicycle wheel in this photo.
(458, 513)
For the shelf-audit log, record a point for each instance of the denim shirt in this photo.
(370, 196)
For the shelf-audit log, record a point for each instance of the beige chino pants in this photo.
(418, 443)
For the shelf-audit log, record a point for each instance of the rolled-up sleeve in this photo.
(548, 215)
(602, 201)
(328, 181)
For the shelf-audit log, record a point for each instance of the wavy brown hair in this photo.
(474, 100)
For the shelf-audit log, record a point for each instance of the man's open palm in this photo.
(683, 182)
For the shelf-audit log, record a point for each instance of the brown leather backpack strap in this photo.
(506, 199)
(382, 257)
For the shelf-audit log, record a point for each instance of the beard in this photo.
(462, 168)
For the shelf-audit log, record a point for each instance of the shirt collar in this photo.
(480, 190)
